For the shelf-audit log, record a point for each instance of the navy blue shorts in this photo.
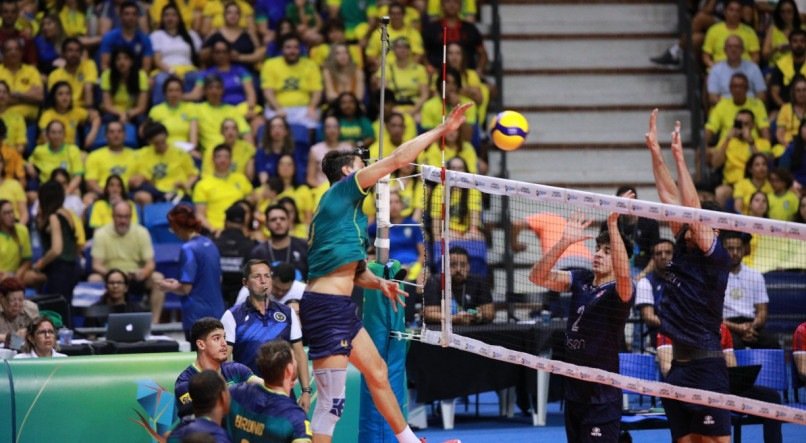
(329, 323)
(687, 418)
(592, 423)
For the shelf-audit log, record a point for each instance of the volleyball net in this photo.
(488, 284)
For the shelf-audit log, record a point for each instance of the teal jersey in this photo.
(258, 414)
(338, 232)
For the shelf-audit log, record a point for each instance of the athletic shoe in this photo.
(666, 59)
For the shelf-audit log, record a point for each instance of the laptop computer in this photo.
(128, 327)
(742, 378)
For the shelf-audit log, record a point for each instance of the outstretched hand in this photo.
(574, 230)
(457, 118)
(677, 144)
(392, 291)
(651, 137)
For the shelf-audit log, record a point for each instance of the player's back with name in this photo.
(259, 414)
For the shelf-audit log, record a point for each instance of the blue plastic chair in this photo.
(166, 258)
(155, 219)
(477, 249)
(130, 140)
(640, 366)
(773, 366)
(785, 290)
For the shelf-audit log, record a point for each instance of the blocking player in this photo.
(691, 309)
(211, 353)
(600, 305)
(337, 263)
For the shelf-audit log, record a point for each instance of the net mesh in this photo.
(504, 227)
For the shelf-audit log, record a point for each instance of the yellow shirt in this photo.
(411, 16)
(121, 98)
(717, 34)
(129, 252)
(25, 79)
(292, 84)
(11, 190)
(431, 115)
(210, 119)
(745, 189)
(219, 194)
(406, 82)
(13, 252)
(87, 72)
(408, 32)
(14, 164)
(186, 9)
(242, 152)
(408, 133)
(73, 21)
(736, 155)
(214, 9)
(722, 115)
(17, 133)
(412, 196)
(319, 53)
(469, 8)
(176, 120)
(68, 156)
(104, 162)
(778, 39)
(101, 214)
(70, 119)
(790, 121)
(433, 156)
(166, 169)
(457, 224)
(783, 207)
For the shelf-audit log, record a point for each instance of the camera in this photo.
(361, 151)
(737, 124)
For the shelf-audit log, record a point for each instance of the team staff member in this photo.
(336, 264)
(211, 355)
(600, 304)
(691, 309)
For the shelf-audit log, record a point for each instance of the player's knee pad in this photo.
(330, 387)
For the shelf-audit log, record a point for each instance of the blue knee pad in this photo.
(331, 386)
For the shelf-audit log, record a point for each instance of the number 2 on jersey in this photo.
(575, 326)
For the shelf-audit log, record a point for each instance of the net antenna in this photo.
(445, 281)
(382, 188)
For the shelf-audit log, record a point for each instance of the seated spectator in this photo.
(799, 351)
(271, 403)
(179, 116)
(292, 86)
(301, 193)
(243, 152)
(189, 13)
(397, 29)
(794, 157)
(214, 16)
(211, 406)
(464, 211)
(791, 114)
(176, 48)
(116, 297)
(471, 301)
(407, 79)
(15, 249)
(60, 106)
(162, 172)
(722, 117)
(124, 89)
(356, 17)
(234, 246)
(49, 44)
(17, 313)
(127, 38)
(306, 19)
(110, 16)
(334, 35)
(72, 201)
(459, 31)
(432, 109)
(390, 106)
(56, 153)
(126, 246)
(113, 193)
(57, 231)
(472, 85)
(785, 18)
(778, 253)
(331, 142)
(341, 74)
(80, 73)
(756, 179)
(455, 146)
(73, 16)
(276, 142)
(285, 27)
(15, 27)
(713, 49)
(746, 301)
(721, 73)
(40, 340)
(783, 200)
(649, 289)
(281, 247)
(239, 89)
(468, 9)
(787, 67)
(208, 339)
(406, 243)
(113, 159)
(213, 111)
(411, 11)
(298, 228)
(215, 193)
(16, 135)
(242, 43)
(12, 191)
(354, 126)
(395, 125)
(24, 81)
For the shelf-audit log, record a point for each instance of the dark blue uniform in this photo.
(691, 315)
(199, 425)
(594, 335)
(233, 373)
(247, 329)
(258, 414)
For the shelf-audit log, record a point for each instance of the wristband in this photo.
(307, 390)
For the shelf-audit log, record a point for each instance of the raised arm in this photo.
(543, 272)
(667, 190)
(621, 261)
(408, 152)
(702, 235)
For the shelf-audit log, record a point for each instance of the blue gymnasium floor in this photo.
(488, 427)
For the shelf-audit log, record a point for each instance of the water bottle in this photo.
(545, 317)
(65, 337)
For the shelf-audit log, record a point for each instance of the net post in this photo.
(382, 188)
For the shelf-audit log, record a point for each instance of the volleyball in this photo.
(509, 130)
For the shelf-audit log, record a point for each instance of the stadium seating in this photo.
(773, 366)
(787, 303)
(155, 219)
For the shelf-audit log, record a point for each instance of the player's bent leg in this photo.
(330, 374)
